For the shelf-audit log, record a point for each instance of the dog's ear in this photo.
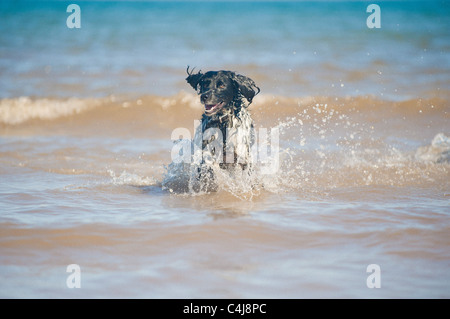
(246, 86)
(194, 79)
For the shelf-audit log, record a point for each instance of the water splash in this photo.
(437, 152)
(131, 179)
(328, 145)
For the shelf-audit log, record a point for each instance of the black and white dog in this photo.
(226, 134)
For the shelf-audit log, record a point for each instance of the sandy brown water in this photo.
(360, 183)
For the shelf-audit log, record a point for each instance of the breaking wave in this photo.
(325, 142)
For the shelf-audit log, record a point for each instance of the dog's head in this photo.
(217, 89)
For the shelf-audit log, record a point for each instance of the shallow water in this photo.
(349, 194)
(364, 163)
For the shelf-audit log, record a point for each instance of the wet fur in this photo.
(235, 92)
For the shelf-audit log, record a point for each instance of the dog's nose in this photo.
(204, 97)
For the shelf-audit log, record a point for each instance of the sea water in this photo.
(86, 116)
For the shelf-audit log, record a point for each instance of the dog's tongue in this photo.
(209, 107)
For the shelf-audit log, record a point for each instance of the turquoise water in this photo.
(292, 48)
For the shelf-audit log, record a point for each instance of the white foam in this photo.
(437, 152)
(131, 179)
(19, 110)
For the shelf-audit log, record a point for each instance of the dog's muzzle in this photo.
(211, 109)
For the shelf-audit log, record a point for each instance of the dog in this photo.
(226, 135)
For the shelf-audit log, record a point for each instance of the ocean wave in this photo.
(178, 107)
(16, 111)
(325, 142)
(20, 110)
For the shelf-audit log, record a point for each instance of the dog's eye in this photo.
(205, 84)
